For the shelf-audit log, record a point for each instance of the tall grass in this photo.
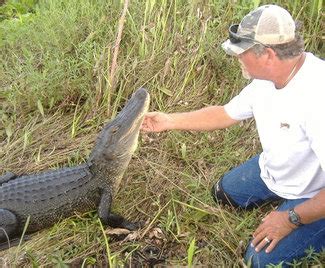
(55, 94)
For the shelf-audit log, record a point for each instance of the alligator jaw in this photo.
(118, 139)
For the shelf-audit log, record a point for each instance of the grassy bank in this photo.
(56, 92)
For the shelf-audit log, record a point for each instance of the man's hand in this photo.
(273, 228)
(156, 122)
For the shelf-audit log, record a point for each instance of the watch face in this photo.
(293, 217)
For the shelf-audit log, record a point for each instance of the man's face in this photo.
(252, 66)
(244, 71)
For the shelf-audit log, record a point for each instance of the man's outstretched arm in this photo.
(205, 119)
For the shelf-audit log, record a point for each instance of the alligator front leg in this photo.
(8, 225)
(112, 219)
(105, 206)
(7, 177)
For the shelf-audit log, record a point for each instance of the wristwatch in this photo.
(294, 217)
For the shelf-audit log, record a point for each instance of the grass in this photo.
(56, 93)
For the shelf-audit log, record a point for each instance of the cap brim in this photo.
(236, 49)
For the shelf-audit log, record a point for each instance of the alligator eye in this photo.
(115, 129)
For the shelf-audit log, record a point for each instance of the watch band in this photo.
(294, 217)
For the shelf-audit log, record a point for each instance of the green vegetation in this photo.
(56, 92)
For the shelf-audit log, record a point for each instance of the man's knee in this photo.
(220, 196)
(261, 259)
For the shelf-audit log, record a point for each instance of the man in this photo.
(286, 100)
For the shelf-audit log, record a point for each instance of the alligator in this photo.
(42, 199)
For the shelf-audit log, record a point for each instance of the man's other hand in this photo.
(273, 228)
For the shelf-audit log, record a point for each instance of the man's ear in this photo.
(271, 55)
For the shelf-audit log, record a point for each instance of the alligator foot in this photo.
(117, 221)
(111, 219)
(13, 242)
(7, 177)
(8, 225)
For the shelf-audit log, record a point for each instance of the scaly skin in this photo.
(53, 195)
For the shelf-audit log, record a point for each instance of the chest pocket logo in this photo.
(284, 125)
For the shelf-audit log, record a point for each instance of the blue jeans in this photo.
(244, 186)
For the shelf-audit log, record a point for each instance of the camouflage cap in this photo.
(266, 25)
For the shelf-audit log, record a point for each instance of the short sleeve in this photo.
(240, 107)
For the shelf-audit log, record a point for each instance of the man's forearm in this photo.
(313, 209)
(209, 118)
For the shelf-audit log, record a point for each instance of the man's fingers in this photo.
(258, 230)
(258, 239)
(263, 243)
(271, 246)
(268, 234)
(265, 218)
(147, 125)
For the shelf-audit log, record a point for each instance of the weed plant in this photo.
(56, 93)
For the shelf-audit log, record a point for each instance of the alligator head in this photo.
(119, 138)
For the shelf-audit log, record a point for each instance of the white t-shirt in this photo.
(291, 127)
